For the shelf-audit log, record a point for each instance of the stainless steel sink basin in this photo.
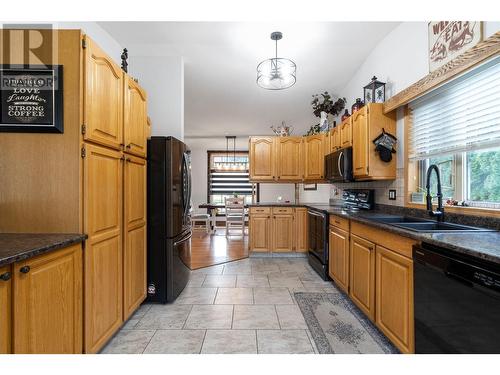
(400, 219)
(434, 226)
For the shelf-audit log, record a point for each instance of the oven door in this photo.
(316, 235)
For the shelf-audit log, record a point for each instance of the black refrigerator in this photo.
(169, 229)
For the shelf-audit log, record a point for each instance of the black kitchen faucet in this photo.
(439, 213)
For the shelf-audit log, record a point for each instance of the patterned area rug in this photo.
(338, 326)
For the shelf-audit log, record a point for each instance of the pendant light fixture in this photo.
(276, 73)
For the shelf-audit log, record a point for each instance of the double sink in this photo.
(425, 226)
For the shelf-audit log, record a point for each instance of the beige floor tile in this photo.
(273, 296)
(237, 269)
(171, 316)
(210, 317)
(286, 281)
(196, 296)
(176, 342)
(252, 281)
(224, 281)
(141, 311)
(234, 296)
(290, 317)
(255, 317)
(283, 342)
(230, 342)
(196, 280)
(213, 270)
(129, 342)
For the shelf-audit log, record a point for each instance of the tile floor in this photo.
(246, 306)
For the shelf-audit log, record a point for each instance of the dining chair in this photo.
(205, 218)
(235, 214)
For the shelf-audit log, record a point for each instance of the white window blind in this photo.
(459, 116)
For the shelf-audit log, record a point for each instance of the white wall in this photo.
(163, 80)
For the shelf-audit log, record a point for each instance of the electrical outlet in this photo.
(392, 195)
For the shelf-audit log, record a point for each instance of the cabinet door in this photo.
(103, 252)
(360, 142)
(362, 275)
(283, 233)
(339, 257)
(103, 89)
(301, 229)
(289, 158)
(260, 233)
(48, 303)
(5, 310)
(336, 144)
(134, 243)
(135, 127)
(262, 158)
(346, 133)
(314, 157)
(394, 296)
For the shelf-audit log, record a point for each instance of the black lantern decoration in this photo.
(374, 91)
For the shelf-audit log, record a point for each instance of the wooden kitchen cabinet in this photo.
(394, 298)
(314, 157)
(362, 275)
(134, 235)
(335, 141)
(301, 229)
(103, 257)
(5, 310)
(289, 158)
(260, 232)
(346, 133)
(103, 93)
(338, 264)
(135, 126)
(262, 158)
(48, 303)
(283, 231)
(367, 124)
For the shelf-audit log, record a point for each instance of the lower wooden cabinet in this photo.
(48, 303)
(260, 232)
(362, 275)
(394, 296)
(338, 263)
(283, 232)
(5, 310)
(301, 229)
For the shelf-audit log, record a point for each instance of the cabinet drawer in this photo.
(260, 210)
(282, 210)
(339, 222)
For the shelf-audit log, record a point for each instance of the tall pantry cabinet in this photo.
(89, 179)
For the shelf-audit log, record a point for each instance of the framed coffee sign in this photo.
(31, 98)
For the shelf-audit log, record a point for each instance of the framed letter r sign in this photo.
(31, 98)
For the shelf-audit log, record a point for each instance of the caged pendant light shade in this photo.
(276, 73)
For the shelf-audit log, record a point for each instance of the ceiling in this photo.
(220, 93)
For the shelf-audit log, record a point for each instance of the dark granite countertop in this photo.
(276, 204)
(483, 245)
(19, 246)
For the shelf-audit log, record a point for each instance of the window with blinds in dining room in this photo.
(457, 127)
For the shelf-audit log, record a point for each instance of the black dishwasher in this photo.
(457, 302)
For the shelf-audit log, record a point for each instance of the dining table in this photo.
(212, 208)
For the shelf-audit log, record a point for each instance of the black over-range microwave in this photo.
(338, 165)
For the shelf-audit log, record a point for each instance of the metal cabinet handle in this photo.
(25, 269)
(129, 145)
(5, 276)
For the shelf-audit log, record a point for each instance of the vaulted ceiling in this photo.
(221, 95)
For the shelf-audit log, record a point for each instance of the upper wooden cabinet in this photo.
(367, 124)
(262, 158)
(314, 157)
(134, 236)
(346, 133)
(103, 95)
(335, 142)
(48, 303)
(362, 275)
(338, 264)
(394, 296)
(135, 122)
(5, 309)
(289, 158)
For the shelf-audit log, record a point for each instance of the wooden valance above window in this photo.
(481, 52)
